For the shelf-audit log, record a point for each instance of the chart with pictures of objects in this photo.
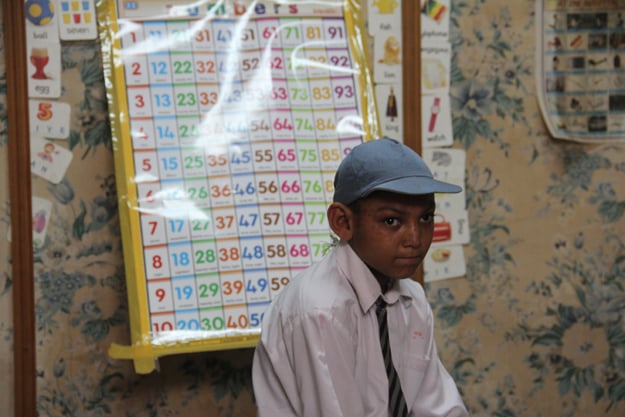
(231, 121)
(582, 68)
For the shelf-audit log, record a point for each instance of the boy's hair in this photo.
(385, 165)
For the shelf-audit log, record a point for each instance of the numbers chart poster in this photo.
(229, 120)
(581, 68)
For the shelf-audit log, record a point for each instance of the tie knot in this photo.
(380, 304)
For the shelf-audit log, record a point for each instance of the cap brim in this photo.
(416, 186)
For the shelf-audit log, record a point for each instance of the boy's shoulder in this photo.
(313, 286)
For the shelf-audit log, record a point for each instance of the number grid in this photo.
(235, 133)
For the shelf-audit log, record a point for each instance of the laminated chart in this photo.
(229, 120)
(580, 69)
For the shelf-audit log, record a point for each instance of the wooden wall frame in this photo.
(411, 70)
(24, 339)
(20, 195)
(411, 80)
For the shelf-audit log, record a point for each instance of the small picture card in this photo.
(389, 99)
(435, 20)
(49, 160)
(44, 69)
(384, 16)
(41, 209)
(49, 119)
(446, 163)
(41, 20)
(77, 20)
(436, 116)
(454, 202)
(387, 57)
(451, 228)
(41, 218)
(444, 262)
(435, 67)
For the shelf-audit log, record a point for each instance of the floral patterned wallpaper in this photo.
(536, 328)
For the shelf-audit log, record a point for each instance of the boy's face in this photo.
(392, 233)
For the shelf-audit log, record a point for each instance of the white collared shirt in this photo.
(319, 353)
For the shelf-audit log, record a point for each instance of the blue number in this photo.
(159, 68)
(165, 132)
(184, 292)
(163, 100)
(192, 324)
(170, 163)
(249, 189)
(256, 319)
(250, 287)
(240, 158)
(258, 253)
(249, 220)
(181, 259)
(224, 35)
(176, 225)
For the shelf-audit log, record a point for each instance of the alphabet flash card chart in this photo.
(580, 69)
(229, 119)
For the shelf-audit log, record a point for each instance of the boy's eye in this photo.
(390, 221)
(428, 218)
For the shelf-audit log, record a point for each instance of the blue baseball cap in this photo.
(385, 165)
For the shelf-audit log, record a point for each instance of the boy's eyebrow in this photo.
(426, 208)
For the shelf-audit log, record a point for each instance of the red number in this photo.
(45, 111)
(136, 68)
(160, 294)
(139, 102)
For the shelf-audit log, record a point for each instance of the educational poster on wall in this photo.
(229, 119)
(581, 68)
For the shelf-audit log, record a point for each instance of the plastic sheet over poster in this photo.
(229, 120)
(580, 69)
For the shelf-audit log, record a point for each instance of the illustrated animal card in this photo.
(446, 164)
(385, 25)
(387, 57)
(384, 15)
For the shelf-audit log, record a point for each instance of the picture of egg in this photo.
(441, 255)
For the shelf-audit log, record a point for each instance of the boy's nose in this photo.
(412, 235)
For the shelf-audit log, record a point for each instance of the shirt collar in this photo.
(363, 282)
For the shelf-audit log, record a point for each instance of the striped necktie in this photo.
(396, 402)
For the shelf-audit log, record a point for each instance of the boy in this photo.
(320, 351)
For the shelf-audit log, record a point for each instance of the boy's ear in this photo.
(341, 221)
